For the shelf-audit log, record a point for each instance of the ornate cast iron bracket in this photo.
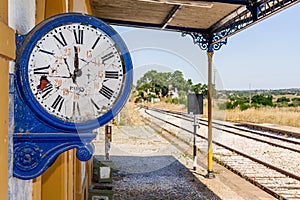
(34, 153)
(204, 40)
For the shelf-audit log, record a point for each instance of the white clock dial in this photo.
(76, 72)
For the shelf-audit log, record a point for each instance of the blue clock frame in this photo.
(37, 133)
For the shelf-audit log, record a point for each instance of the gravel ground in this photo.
(147, 167)
(171, 182)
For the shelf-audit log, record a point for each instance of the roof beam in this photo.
(152, 26)
(171, 15)
(199, 3)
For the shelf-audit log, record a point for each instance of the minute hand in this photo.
(77, 71)
(76, 60)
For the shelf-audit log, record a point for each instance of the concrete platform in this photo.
(140, 149)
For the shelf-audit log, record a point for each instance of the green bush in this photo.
(175, 101)
(244, 106)
(262, 100)
(283, 99)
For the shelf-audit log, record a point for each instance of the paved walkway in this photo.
(147, 165)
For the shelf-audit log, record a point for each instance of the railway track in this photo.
(267, 160)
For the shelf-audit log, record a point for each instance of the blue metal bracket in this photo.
(34, 153)
(204, 41)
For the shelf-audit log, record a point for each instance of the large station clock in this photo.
(74, 72)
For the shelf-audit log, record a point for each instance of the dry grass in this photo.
(288, 116)
(167, 106)
(130, 115)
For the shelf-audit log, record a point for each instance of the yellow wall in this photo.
(7, 53)
(4, 128)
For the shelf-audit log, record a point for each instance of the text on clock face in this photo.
(76, 72)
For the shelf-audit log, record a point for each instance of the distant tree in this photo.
(157, 84)
(283, 99)
(260, 99)
(200, 89)
(296, 102)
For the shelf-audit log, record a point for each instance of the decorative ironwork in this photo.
(249, 15)
(240, 19)
(204, 41)
(34, 153)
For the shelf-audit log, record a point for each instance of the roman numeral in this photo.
(94, 104)
(106, 92)
(46, 52)
(41, 70)
(96, 42)
(112, 74)
(107, 56)
(47, 90)
(78, 36)
(61, 40)
(76, 108)
(58, 103)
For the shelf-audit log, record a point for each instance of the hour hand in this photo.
(77, 71)
(76, 60)
(68, 67)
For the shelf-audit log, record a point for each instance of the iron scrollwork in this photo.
(34, 153)
(204, 41)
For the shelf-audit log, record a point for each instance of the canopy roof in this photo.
(197, 16)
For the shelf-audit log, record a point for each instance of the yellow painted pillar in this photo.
(37, 188)
(53, 7)
(210, 174)
(4, 66)
(79, 188)
(40, 11)
(54, 180)
(7, 53)
(71, 174)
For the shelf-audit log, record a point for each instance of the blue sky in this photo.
(264, 56)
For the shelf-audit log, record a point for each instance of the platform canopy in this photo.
(209, 18)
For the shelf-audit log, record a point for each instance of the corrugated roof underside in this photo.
(156, 13)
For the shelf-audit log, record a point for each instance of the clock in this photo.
(74, 72)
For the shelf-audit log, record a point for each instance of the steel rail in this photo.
(286, 173)
(268, 190)
(238, 128)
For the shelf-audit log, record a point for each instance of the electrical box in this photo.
(195, 103)
(98, 192)
(102, 171)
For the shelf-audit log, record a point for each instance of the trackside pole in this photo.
(108, 140)
(195, 147)
(210, 54)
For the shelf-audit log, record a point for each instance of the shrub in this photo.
(175, 101)
(283, 99)
(244, 106)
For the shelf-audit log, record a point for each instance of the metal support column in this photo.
(210, 53)
(195, 144)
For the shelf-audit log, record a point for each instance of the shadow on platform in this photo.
(155, 177)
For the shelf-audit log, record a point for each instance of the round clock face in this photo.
(76, 72)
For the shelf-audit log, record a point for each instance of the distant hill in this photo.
(287, 91)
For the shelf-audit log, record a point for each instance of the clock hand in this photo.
(92, 60)
(68, 67)
(76, 59)
(77, 71)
